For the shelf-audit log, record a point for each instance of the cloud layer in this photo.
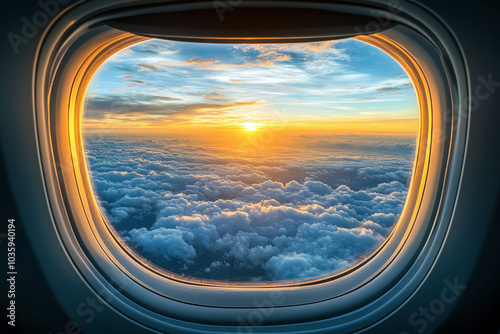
(210, 212)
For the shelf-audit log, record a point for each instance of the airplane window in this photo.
(251, 163)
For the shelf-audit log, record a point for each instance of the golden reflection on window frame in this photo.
(97, 222)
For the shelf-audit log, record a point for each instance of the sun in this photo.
(250, 126)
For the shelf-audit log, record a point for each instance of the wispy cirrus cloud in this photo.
(328, 78)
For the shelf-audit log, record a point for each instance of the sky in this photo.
(251, 163)
(336, 87)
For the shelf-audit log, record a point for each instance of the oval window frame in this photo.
(95, 252)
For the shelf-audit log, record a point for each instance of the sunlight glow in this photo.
(250, 126)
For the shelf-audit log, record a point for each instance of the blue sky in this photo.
(158, 84)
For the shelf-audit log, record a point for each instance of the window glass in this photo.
(251, 162)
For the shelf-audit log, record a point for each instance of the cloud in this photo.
(391, 89)
(168, 243)
(213, 96)
(196, 212)
(147, 108)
